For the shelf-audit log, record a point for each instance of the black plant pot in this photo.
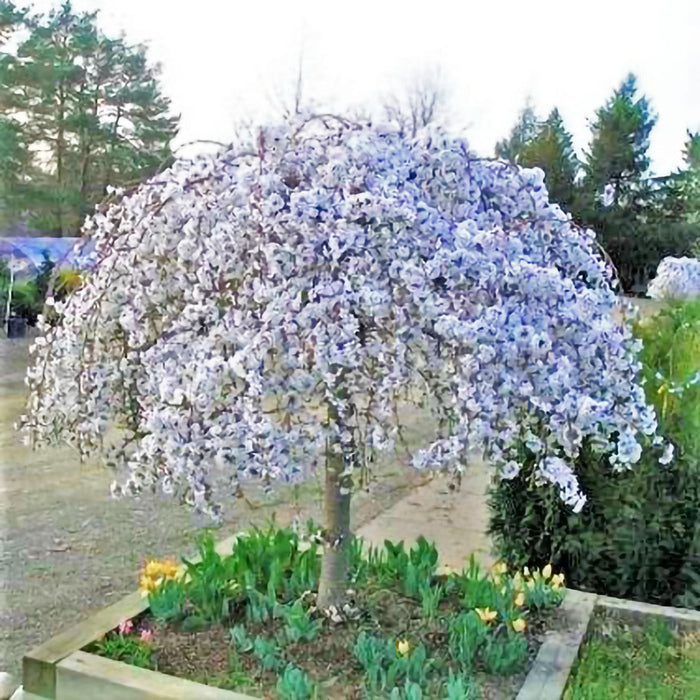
(16, 327)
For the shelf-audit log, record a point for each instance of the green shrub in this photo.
(638, 535)
(26, 301)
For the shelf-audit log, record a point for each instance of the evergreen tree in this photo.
(525, 129)
(547, 145)
(91, 114)
(617, 154)
(627, 221)
(552, 150)
(691, 150)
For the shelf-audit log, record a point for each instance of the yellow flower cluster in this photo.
(155, 572)
(557, 580)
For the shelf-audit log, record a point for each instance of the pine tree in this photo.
(627, 223)
(691, 150)
(91, 114)
(525, 129)
(552, 150)
(547, 145)
(617, 154)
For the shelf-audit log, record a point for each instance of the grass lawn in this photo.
(648, 663)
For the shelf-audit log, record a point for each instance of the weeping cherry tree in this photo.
(259, 314)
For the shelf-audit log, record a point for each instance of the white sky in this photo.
(230, 59)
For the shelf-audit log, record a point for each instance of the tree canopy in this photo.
(79, 112)
(261, 313)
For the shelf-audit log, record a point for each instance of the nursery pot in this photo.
(16, 327)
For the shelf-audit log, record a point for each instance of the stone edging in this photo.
(549, 674)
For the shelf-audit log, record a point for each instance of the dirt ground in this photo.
(67, 549)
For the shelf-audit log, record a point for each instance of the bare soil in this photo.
(67, 549)
(206, 655)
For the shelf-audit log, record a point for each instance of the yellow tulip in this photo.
(146, 585)
(500, 568)
(558, 580)
(497, 580)
(152, 568)
(519, 600)
(547, 571)
(403, 647)
(526, 572)
(519, 625)
(486, 614)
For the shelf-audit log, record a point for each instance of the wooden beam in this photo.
(39, 664)
(83, 675)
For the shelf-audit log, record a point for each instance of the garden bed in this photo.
(409, 628)
(398, 637)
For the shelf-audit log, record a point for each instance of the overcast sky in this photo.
(227, 60)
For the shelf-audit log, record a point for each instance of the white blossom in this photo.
(676, 278)
(240, 298)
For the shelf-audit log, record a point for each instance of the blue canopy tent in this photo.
(63, 252)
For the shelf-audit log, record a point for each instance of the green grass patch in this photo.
(648, 663)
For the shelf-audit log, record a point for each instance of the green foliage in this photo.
(167, 602)
(294, 684)
(80, 111)
(504, 654)
(648, 663)
(467, 634)
(460, 687)
(267, 569)
(127, 648)
(476, 589)
(300, 626)
(644, 222)
(650, 217)
(431, 596)
(522, 133)
(393, 565)
(275, 560)
(384, 666)
(210, 588)
(26, 301)
(240, 639)
(539, 594)
(639, 534)
(372, 651)
(620, 140)
(410, 691)
(267, 653)
(546, 145)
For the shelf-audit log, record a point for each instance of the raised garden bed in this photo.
(409, 628)
(395, 640)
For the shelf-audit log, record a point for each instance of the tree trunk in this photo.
(60, 137)
(336, 524)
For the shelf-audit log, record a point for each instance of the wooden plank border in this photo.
(39, 664)
(549, 674)
(83, 675)
(636, 612)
